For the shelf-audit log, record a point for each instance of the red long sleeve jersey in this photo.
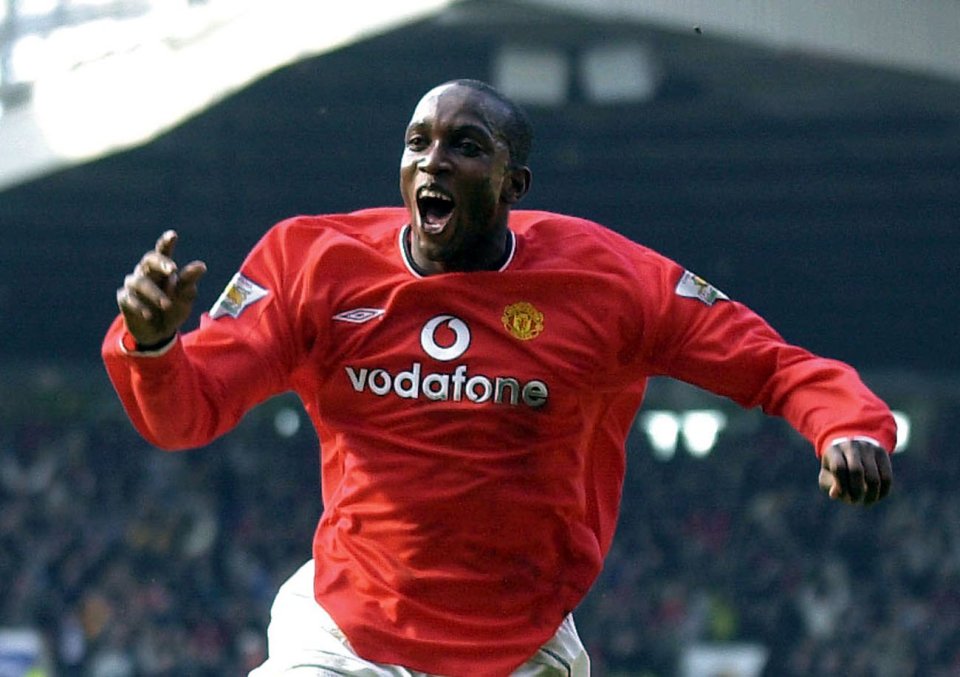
(471, 425)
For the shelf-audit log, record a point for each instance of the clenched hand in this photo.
(856, 471)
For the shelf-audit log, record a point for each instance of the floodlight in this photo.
(700, 428)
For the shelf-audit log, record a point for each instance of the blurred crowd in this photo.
(741, 547)
(131, 561)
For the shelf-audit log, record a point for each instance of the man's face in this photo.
(456, 179)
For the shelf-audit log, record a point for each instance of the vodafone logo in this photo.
(461, 341)
(446, 338)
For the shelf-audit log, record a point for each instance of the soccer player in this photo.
(472, 371)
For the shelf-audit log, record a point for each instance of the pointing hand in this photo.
(157, 297)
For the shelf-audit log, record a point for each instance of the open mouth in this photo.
(435, 207)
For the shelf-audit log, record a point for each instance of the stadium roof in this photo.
(83, 79)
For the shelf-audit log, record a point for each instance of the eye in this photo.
(416, 142)
(469, 148)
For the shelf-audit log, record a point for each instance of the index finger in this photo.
(834, 464)
(166, 243)
(885, 466)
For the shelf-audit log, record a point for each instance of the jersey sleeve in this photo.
(694, 333)
(201, 386)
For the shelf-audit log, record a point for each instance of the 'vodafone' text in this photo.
(454, 386)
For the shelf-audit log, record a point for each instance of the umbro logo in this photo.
(359, 315)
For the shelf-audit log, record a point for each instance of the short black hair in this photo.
(516, 127)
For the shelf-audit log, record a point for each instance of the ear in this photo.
(516, 184)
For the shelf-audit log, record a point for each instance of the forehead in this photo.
(455, 104)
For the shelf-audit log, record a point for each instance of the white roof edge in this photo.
(127, 99)
(919, 36)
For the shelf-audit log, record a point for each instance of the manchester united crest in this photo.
(522, 320)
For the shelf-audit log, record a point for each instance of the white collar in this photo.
(411, 266)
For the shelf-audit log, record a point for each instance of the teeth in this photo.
(435, 194)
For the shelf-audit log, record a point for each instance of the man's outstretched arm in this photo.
(184, 390)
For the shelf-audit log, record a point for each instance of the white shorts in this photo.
(303, 640)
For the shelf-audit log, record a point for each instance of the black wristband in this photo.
(151, 347)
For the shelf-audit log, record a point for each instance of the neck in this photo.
(490, 252)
